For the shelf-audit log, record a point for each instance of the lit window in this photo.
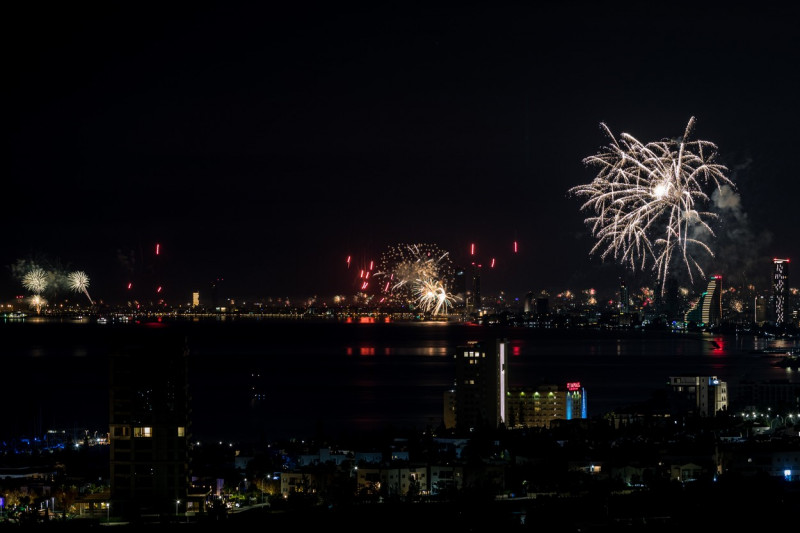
(146, 432)
(181, 431)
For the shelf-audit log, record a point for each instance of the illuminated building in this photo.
(481, 385)
(195, 299)
(780, 290)
(149, 429)
(536, 407)
(530, 304)
(624, 298)
(699, 395)
(708, 309)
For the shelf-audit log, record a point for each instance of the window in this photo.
(146, 432)
(181, 431)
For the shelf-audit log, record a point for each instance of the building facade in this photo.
(481, 385)
(698, 395)
(624, 298)
(760, 310)
(149, 423)
(780, 291)
(779, 395)
(537, 407)
(708, 309)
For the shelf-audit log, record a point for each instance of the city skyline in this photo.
(265, 146)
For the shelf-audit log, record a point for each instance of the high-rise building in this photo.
(708, 309)
(536, 407)
(760, 307)
(780, 290)
(668, 301)
(460, 284)
(699, 395)
(712, 303)
(477, 303)
(149, 422)
(481, 385)
(624, 298)
(530, 304)
(542, 306)
(218, 298)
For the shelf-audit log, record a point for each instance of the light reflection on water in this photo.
(356, 377)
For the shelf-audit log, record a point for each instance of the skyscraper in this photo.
(780, 290)
(708, 309)
(542, 305)
(760, 310)
(218, 299)
(530, 304)
(476, 288)
(481, 385)
(712, 303)
(460, 284)
(624, 297)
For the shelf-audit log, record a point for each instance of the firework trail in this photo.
(79, 282)
(643, 199)
(35, 280)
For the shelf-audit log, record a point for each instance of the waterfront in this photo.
(268, 379)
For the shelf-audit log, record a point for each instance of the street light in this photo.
(177, 502)
(108, 512)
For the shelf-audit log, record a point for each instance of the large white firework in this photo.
(432, 296)
(79, 282)
(403, 266)
(35, 280)
(645, 197)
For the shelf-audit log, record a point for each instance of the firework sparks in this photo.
(35, 280)
(37, 302)
(433, 297)
(79, 282)
(643, 199)
(404, 266)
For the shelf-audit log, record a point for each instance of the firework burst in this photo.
(79, 282)
(404, 267)
(37, 302)
(644, 198)
(35, 280)
(432, 297)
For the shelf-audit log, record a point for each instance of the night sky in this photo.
(264, 145)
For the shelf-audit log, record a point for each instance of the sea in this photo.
(269, 379)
